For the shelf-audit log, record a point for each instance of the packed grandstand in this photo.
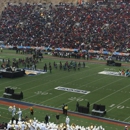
(67, 25)
(88, 26)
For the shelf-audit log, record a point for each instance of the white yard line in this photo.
(96, 101)
(127, 118)
(98, 89)
(53, 88)
(60, 94)
(19, 84)
(118, 104)
(61, 78)
(110, 94)
(51, 81)
(81, 87)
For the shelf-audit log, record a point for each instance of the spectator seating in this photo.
(63, 27)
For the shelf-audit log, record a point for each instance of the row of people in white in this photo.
(19, 113)
(36, 125)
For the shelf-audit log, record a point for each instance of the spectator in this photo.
(47, 119)
(68, 26)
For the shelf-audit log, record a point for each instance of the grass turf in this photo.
(111, 91)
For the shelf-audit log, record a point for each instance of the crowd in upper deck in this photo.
(78, 26)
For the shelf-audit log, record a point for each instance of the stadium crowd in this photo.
(81, 26)
(86, 26)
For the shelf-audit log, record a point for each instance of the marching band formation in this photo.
(34, 124)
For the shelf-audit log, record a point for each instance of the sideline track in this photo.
(25, 105)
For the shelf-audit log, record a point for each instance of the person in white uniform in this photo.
(23, 126)
(43, 127)
(13, 111)
(19, 114)
(38, 125)
(16, 127)
(67, 120)
(32, 127)
(9, 125)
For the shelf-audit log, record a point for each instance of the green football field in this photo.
(111, 91)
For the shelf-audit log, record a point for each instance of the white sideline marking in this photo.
(127, 118)
(118, 104)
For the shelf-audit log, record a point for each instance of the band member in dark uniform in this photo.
(31, 111)
(57, 117)
(50, 68)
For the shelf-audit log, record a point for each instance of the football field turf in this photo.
(87, 86)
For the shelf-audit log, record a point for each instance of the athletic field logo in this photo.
(72, 90)
(110, 73)
(34, 72)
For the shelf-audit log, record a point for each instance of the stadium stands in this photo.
(88, 26)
